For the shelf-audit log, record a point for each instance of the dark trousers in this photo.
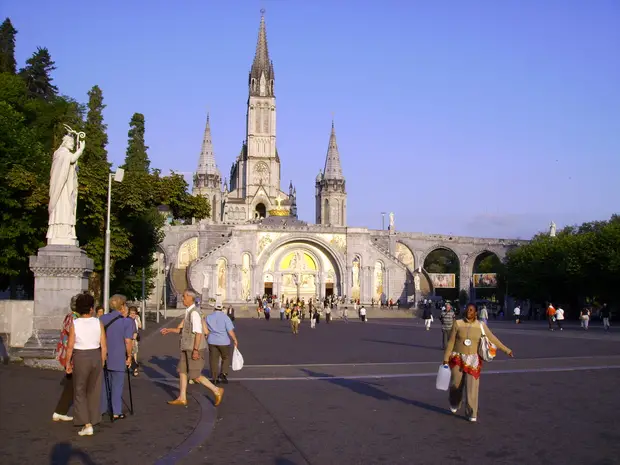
(87, 374)
(445, 335)
(117, 383)
(215, 353)
(282, 315)
(66, 398)
(328, 317)
(363, 318)
(267, 315)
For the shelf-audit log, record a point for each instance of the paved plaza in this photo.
(342, 394)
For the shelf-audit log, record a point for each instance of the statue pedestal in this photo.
(60, 272)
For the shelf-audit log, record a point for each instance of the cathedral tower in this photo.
(331, 194)
(207, 179)
(255, 175)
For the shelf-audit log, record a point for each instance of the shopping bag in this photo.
(443, 378)
(237, 360)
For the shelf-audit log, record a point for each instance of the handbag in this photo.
(486, 350)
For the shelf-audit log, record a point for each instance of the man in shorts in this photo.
(193, 344)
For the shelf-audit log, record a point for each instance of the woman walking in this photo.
(86, 352)
(585, 318)
(295, 320)
(461, 355)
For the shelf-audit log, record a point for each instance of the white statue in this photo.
(205, 281)
(63, 190)
(552, 229)
(416, 282)
(391, 221)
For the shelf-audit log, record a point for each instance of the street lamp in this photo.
(383, 220)
(118, 177)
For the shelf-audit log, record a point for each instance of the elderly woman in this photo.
(461, 354)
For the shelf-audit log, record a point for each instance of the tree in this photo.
(580, 265)
(136, 159)
(7, 47)
(37, 75)
(94, 169)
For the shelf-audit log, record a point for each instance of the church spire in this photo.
(261, 75)
(206, 162)
(333, 169)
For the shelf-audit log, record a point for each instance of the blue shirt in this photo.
(219, 324)
(117, 332)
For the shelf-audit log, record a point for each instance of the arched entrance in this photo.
(443, 268)
(261, 210)
(486, 278)
(301, 269)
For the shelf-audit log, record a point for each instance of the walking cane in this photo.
(108, 390)
(130, 395)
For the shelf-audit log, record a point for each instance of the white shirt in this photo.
(87, 333)
(517, 311)
(196, 321)
(559, 314)
(362, 311)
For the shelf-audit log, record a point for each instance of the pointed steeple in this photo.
(333, 169)
(206, 163)
(262, 74)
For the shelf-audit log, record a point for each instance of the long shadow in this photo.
(367, 389)
(404, 344)
(166, 363)
(63, 453)
(283, 461)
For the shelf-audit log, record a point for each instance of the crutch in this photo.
(108, 390)
(130, 395)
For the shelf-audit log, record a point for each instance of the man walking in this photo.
(221, 331)
(119, 332)
(193, 344)
(447, 321)
(605, 315)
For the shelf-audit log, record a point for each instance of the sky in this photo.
(480, 118)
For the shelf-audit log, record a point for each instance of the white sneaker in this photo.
(453, 410)
(473, 419)
(59, 417)
(86, 431)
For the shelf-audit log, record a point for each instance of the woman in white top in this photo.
(559, 318)
(86, 352)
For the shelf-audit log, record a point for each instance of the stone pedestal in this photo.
(60, 272)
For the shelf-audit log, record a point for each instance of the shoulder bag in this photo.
(487, 350)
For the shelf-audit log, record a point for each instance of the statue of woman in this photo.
(63, 193)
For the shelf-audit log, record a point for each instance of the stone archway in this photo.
(301, 267)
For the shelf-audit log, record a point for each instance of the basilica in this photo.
(254, 243)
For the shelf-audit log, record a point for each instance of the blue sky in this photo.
(480, 118)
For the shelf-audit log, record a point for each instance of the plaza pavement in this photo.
(344, 394)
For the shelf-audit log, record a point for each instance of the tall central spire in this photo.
(333, 169)
(206, 162)
(261, 75)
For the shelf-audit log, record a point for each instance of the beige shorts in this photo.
(192, 368)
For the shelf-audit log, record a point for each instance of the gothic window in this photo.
(261, 173)
(263, 85)
(327, 216)
(266, 119)
(257, 110)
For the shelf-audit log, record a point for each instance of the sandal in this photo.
(135, 372)
(120, 417)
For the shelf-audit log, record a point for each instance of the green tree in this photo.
(7, 47)
(37, 75)
(136, 159)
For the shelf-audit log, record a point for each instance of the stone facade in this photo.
(244, 251)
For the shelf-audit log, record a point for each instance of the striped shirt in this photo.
(447, 319)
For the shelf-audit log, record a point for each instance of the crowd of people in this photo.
(297, 310)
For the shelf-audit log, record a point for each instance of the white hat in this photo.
(218, 303)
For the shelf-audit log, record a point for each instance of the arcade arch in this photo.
(443, 267)
(188, 252)
(486, 268)
(300, 269)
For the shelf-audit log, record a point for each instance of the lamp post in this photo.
(383, 220)
(118, 177)
(167, 268)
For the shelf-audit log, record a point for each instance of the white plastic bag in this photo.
(443, 378)
(237, 360)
